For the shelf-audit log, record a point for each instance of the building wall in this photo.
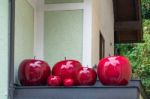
(24, 32)
(95, 30)
(4, 23)
(70, 32)
(62, 1)
(63, 35)
(102, 20)
(107, 25)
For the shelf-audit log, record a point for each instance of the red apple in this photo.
(66, 68)
(54, 81)
(68, 82)
(86, 76)
(114, 70)
(33, 72)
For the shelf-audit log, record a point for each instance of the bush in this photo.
(139, 55)
(146, 9)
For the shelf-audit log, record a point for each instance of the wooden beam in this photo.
(115, 10)
(139, 17)
(127, 37)
(128, 21)
(127, 25)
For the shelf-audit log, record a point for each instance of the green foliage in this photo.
(146, 9)
(139, 55)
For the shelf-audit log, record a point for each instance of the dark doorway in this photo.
(101, 46)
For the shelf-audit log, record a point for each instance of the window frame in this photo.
(11, 48)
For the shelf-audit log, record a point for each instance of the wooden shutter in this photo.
(128, 21)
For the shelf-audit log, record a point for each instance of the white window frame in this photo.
(39, 8)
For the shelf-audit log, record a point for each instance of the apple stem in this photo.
(34, 57)
(65, 58)
(95, 66)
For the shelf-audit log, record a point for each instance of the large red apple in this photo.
(86, 76)
(66, 69)
(114, 70)
(33, 72)
(54, 81)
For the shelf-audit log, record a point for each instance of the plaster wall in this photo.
(60, 26)
(62, 1)
(63, 35)
(4, 38)
(24, 32)
(102, 21)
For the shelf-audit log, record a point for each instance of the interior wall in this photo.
(24, 32)
(102, 20)
(62, 1)
(4, 31)
(63, 35)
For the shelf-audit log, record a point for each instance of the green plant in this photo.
(146, 9)
(139, 55)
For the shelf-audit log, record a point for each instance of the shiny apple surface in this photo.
(66, 68)
(86, 76)
(54, 81)
(33, 72)
(68, 82)
(114, 70)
